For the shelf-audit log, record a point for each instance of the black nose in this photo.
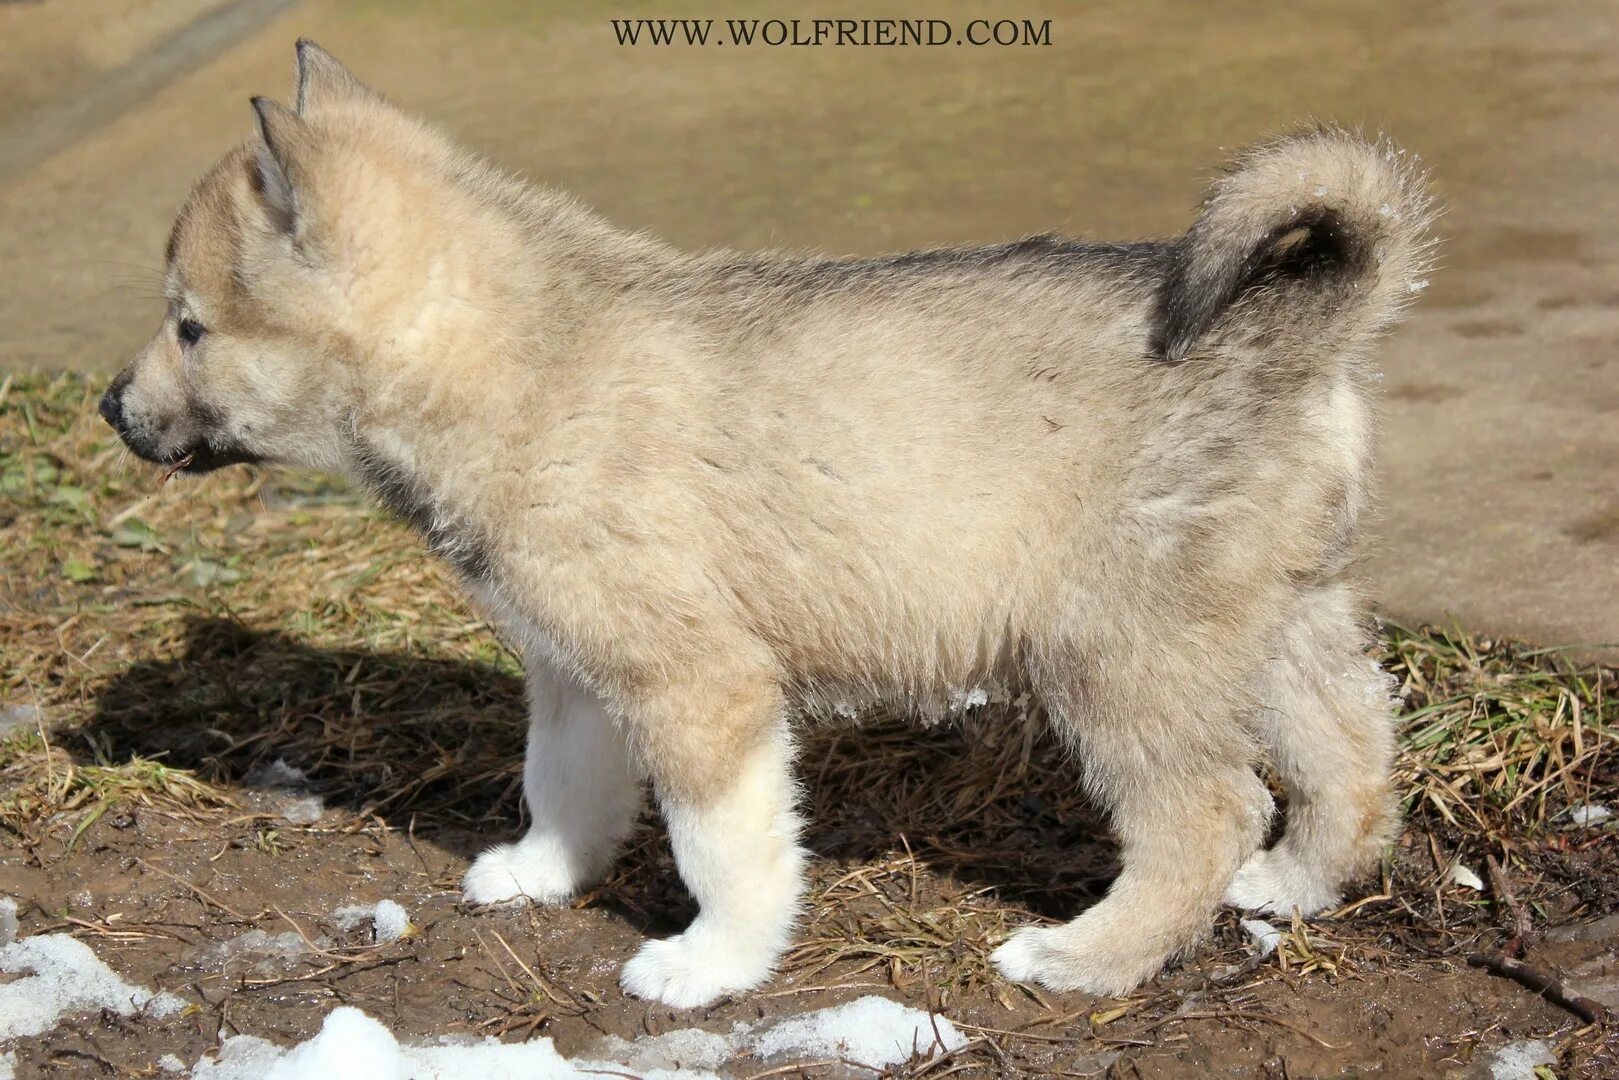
(112, 407)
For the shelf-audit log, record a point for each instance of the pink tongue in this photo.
(172, 469)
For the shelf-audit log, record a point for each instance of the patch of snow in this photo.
(685, 1048)
(1588, 814)
(305, 810)
(1265, 936)
(1605, 991)
(389, 921)
(8, 1066)
(1602, 931)
(241, 1057)
(349, 916)
(352, 1045)
(872, 1031)
(1096, 1064)
(284, 790)
(259, 953)
(1466, 877)
(66, 977)
(276, 774)
(171, 1064)
(259, 943)
(1517, 1061)
(8, 920)
(18, 718)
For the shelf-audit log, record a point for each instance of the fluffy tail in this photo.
(1316, 239)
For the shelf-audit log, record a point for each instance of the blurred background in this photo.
(1502, 449)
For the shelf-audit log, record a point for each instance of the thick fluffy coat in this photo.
(707, 493)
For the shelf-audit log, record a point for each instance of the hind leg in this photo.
(1327, 721)
(1167, 752)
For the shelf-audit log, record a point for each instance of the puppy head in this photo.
(283, 252)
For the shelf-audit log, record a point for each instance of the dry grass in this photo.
(160, 645)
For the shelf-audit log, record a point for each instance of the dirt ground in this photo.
(165, 648)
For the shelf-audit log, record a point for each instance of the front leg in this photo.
(720, 761)
(582, 794)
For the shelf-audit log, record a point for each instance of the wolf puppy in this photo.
(707, 492)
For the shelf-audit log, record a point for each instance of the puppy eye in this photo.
(190, 331)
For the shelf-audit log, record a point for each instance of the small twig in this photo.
(948, 1055)
(516, 990)
(1059, 1020)
(260, 984)
(1541, 982)
(816, 989)
(309, 943)
(780, 1069)
(1009, 1033)
(202, 894)
(1523, 929)
(1240, 1015)
(543, 985)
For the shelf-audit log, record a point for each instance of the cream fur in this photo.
(708, 493)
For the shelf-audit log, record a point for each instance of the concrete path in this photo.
(1502, 450)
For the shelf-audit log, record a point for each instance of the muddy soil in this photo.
(167, 904)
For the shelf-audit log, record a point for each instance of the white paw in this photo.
(516, 872)
(1060, 958)
(1021, 957)
(691, 969)
(1274, 882)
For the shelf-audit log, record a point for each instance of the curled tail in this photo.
(1317, 239)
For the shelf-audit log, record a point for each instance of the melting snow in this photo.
(66, 977)
(872, 1031)
(15, 718)
(304, 810)
(389, 921)
(258, 943)
(60, 975)
(284, 790)
(8, 920)
(276, 774)
(1264, 935)
(1517, 1061)
(1584, 815)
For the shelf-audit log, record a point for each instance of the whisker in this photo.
(151, 271)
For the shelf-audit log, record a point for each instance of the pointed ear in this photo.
(281, 161)
(323, 81)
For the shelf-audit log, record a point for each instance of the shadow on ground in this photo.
(438, 743)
